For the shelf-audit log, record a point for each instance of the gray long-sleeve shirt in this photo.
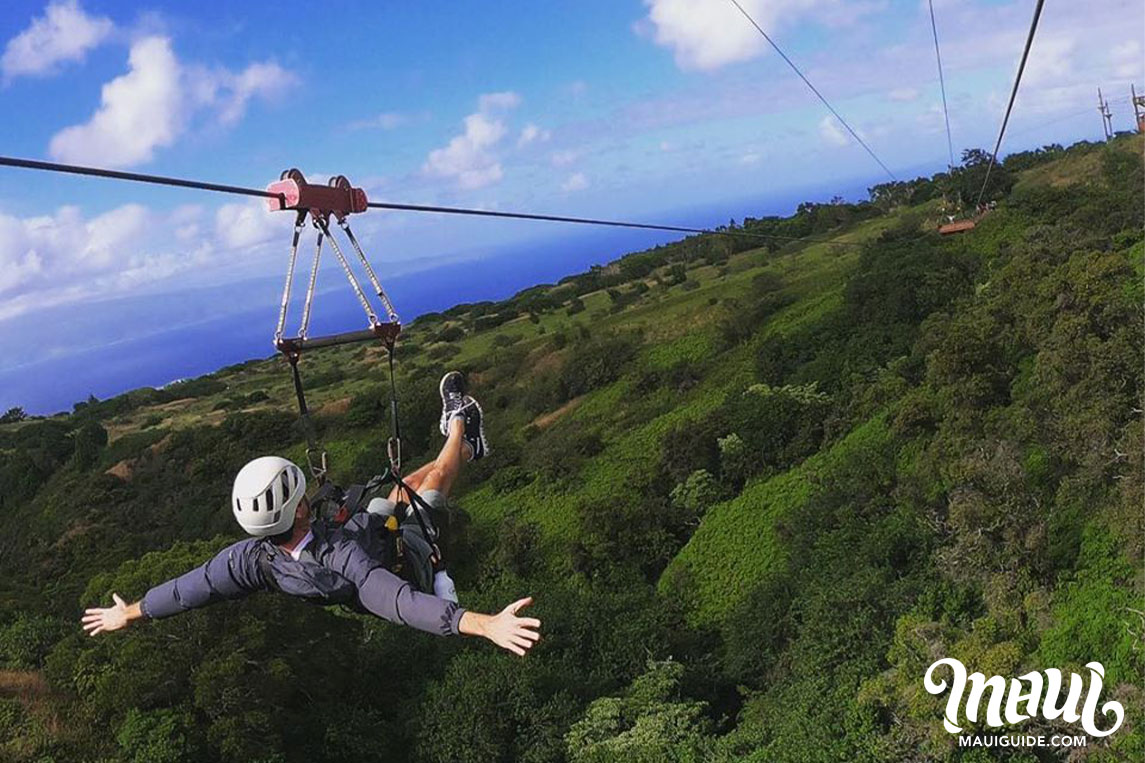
(345, 565)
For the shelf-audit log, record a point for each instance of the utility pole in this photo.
(1138, 108)
(1106, 115)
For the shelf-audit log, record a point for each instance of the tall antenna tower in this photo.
(1106, 115)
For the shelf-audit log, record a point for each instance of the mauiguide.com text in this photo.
(1021, 740)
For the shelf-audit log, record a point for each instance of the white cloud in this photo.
(63, 33)
(532, 133)
(1051, 60)
(387, 120)
(470, 157)
(575, 182)
(151, 105)
(750, 158)
(65, 257)
(1126, 59)
(706, 35)
(265, 80)
(504, 100)
(246, 224)
(139, 112)
(904, 94)
(832, 132)
(563, 158)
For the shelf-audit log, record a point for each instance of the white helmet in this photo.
(266, 495)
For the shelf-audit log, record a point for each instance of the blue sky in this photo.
(665, 110)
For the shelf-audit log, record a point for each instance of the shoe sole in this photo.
(480, 431)
(444, 424)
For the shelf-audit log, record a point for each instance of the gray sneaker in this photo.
(452, 390)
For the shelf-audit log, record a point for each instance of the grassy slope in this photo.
(735, 547)
(814, 276)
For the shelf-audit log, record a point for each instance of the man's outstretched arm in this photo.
(386, 595)
(120, 615)
(505, 629)
(231, 574)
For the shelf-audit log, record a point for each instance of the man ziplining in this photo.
(300, 554)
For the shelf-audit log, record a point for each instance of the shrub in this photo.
(12, 415)
(516, 549)
(650, 722)
(695, 494)
(778, 425)
(509, 478)
(450, 334)
(559, 452)
(27, 640)
(90, 439)
(155, 736)
(597, 362)
(443, 351)
(204, 386)
(735, 461)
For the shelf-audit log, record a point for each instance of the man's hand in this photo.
(111, 618)
(505, 629)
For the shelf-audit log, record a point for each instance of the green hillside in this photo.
(755, 490)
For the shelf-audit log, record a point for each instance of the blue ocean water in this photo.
(206, 344)
(116, 346)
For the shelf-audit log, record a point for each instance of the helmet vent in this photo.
(285, 487)
(275, 517)
(254, 504)
(269, 498)
(238, 505)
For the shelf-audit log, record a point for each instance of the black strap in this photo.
(264, 565)
(313, 450)
(394, 449)
(394, 446)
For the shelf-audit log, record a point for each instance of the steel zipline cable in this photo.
(814, 89)
(942, 84)
(136, 177)
(1013, 96)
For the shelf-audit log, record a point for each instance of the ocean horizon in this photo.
(152, 357)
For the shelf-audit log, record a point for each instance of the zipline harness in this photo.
(339, 199)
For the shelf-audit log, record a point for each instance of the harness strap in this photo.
(264, 566)
(394, 446)
(394, 450)
(313, 451)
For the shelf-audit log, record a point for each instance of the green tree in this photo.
(13, 415)
(649, 723)
(90, 440)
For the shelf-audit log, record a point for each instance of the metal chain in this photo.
(299, 223)
(305, 329)
(321, 223)
(377, 284)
